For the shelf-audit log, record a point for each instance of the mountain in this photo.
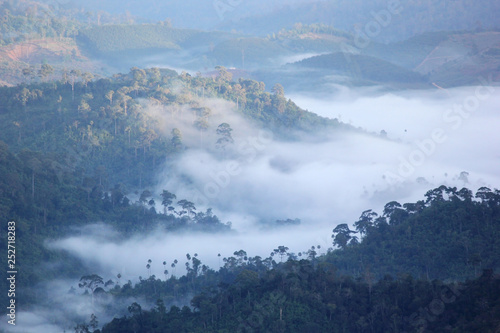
(102, 44)
(385, 280)
(263, 17)
(132, 132)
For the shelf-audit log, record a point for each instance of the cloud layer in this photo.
(324, 182)
(432, 136)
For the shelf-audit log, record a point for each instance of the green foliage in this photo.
(77, 147)
(247, 51)
(112, 40)
(117, 38)
(360, 67)
(297, 297)
(408, 53)
(312, 38)
(255, 294)
(225, 138)
(450, 235)
(299, 30)
(47, 199)
(25, 20)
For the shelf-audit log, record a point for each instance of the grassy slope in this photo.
(449, 58)
(111, 39)
(360, 66)
(446, 58)
(408, 53)
(116, 38)
(60, 53)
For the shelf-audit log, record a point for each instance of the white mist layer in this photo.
(130, 256)
(322, 182)
(429, 142)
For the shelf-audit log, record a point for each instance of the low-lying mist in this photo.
(431, 138)
(413, 141)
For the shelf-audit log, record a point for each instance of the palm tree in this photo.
(148, 266)
(165, 271)
(173, 266)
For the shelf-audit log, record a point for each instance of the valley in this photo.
(248, 171)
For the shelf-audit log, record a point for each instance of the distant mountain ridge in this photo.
(83, 41)
(264, 17)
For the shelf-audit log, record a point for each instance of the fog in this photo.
(297, 57)
(432, 137)
(61, 308)
(186, 14)
(321, 181)
(401, 143)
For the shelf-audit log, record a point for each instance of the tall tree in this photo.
(91, 283)
(176, 138)
(109, 96)
(202, 123)
(143, 199)
(167, 199)
(365, 221)
(187, 206)
(45, 71)
(281, 251)
(223, 76)
(224, 132)
(278, 90)
(342, 235)
(239, 92)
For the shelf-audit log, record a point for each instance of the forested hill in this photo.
(299, 298)
(74, 151)
(35, 34)
(104, 125)
(385, 281)
(402, 19)
(452, 234)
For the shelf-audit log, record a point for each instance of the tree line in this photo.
(366, 284)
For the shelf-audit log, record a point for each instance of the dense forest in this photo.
(297, 297)
(75, 150)
(86, 142)
(389, 280)
(87, 118)
(44, 199)
(72, 148)
(56, 137)
(26, 20)
(406, 18)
